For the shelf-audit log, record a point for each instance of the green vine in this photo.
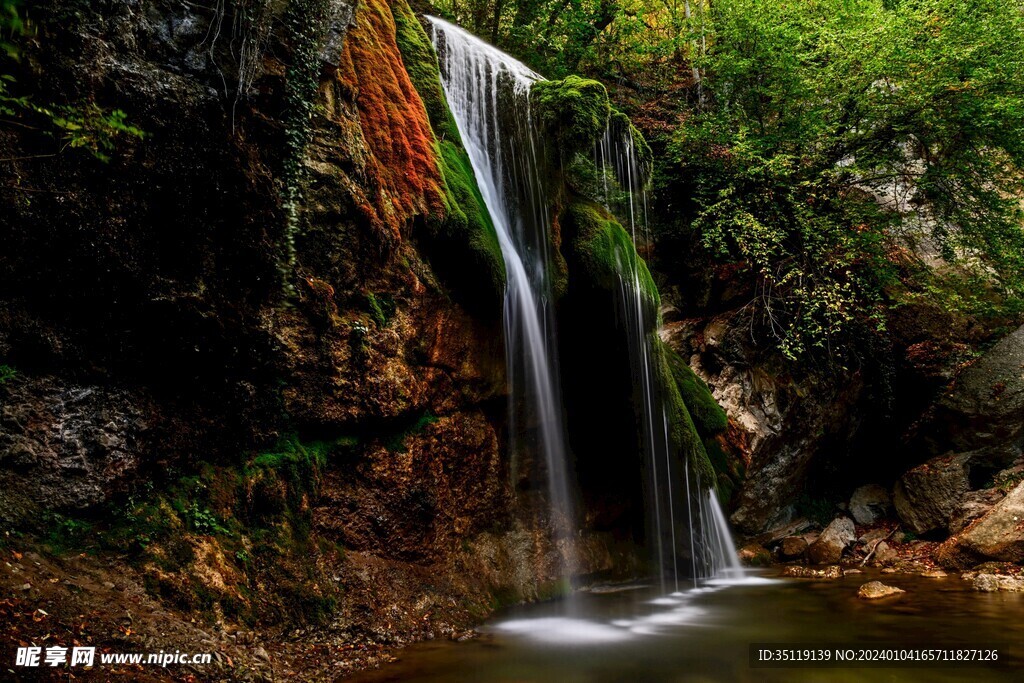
(306, 24)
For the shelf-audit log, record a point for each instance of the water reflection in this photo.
(704, 634)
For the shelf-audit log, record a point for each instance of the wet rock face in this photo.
(829, 546)
(928, 496)
(778, 422)
(68, 447)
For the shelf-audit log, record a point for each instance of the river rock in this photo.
(833, 541)
(831, 572)
(998, 535)
(869, 503)
(927, 496)
(792, 547)
(934, 574)
(992, 583)
(872, 590)
(884, 554)
(755, 555)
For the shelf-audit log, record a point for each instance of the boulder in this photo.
(873, 590)
(884, 554)
(997, 535)
(984, 413)
(869, 503)
(927, 496)
(833, 541)
(792, 547)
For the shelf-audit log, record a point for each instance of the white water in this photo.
(488, 93)
(708, 539)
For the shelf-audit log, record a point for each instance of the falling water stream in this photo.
(488, 93)
(706, 535)
(489, 96)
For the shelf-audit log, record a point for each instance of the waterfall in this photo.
(488, 94)
(706, 534)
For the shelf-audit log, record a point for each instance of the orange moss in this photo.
(404, 170)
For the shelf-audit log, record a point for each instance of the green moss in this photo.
(602, 252)
(421, 65)
(640, 147)
(463, 244)
(474, 258)
(707, 415)
(395, 442)
(682, 433)
(573, 112)
(381, 307)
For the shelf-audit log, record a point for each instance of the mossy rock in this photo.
(421, 65)
(708, 416)
(462, 243)
(645, 157)
(602, 253)
(573, 112)
(682, 432)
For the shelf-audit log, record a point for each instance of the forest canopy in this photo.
(849, 154)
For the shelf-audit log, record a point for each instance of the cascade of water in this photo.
(711, 547)
(488, 94)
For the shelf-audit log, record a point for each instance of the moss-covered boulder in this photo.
(708, 417)
(573, 113)
(601, 254)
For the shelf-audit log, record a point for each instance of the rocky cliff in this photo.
(252, 355)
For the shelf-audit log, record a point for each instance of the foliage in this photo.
(848, 137)
(81, 125)
(832, 148)
(7, 373)
(305, 22)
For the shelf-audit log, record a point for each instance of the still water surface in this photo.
(703, 635)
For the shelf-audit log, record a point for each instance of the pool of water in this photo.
(703, 634)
